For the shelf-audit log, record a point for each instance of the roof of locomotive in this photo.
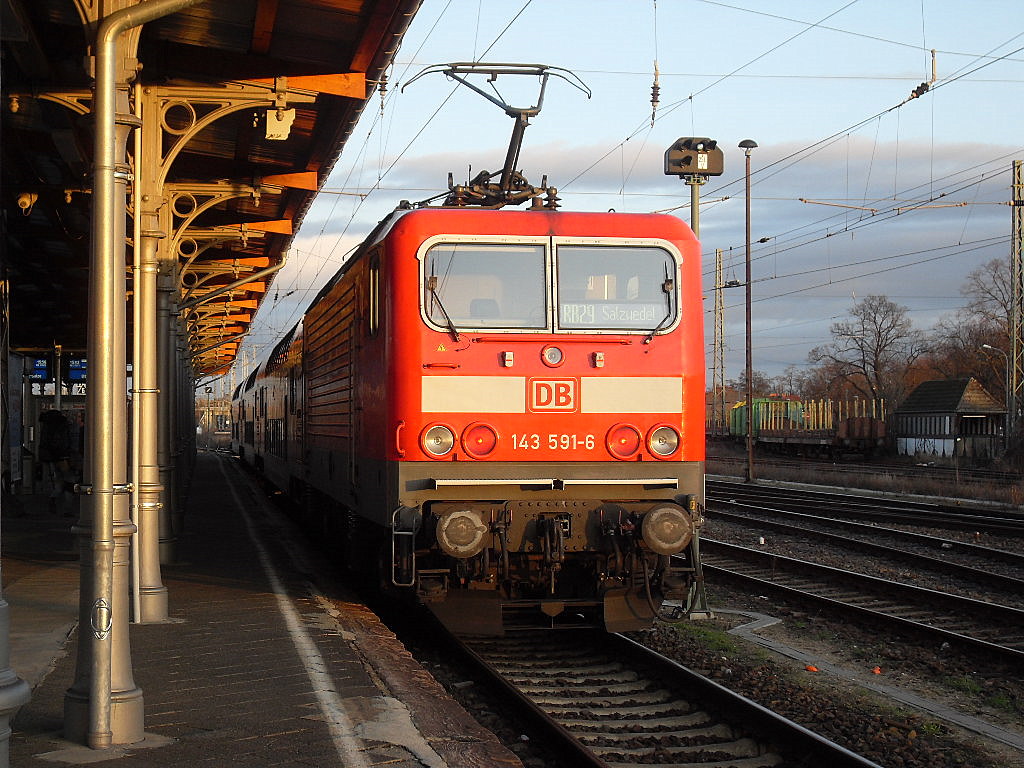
(530, 221)
(537, 221)
(527, 222)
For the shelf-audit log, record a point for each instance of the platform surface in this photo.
(263, 662)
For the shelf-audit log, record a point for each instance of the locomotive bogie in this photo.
(463, 530)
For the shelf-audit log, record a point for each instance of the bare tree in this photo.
(873, 350)
(957, 341)
(761, 384)
(799, 381)
(989, 291)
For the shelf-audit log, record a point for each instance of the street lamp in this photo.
(747, 145)
(956, 460)
(209, 418)
(1008, 398)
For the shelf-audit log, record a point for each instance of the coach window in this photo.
(625, 288)
(374, 293)
(480, 285)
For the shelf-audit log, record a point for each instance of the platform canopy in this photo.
(331, 52)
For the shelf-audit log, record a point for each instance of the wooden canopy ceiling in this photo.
(333, 50)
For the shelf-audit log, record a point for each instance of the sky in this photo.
(856, 188)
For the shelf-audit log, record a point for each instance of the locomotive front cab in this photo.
(547, 474)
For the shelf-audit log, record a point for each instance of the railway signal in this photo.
(694, 159)
(694, 156)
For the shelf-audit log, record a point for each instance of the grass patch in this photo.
(971, 686)
(1002, 702)
(822, 474)
(712, 639)
(964, 684)
(932, 729)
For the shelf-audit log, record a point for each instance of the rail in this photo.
(963, 621)
(611, 702)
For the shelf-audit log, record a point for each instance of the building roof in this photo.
(327, 55)
(950, 396)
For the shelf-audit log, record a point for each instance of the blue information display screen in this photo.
(77, 370)
(40, 369)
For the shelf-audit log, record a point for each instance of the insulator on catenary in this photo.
(655, 93)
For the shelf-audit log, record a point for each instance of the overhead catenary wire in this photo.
(622, 190)
(831, 29)
(831, 282)
(975, 245)
(768, 171)
(672, 107)
(886, 207)
(292, 318)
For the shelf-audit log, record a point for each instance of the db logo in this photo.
(552, 394)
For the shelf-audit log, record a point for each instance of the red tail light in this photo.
(479, 440)
(623, 441)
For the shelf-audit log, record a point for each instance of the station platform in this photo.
(261, 663)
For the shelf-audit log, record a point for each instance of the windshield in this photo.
(476, 285)
(603, 287)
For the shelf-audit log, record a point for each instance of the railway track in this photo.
(613, 703)
(952, 475)
(969, 563)
(965, 518)
(997, 629)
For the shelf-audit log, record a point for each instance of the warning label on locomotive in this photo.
(548, 395)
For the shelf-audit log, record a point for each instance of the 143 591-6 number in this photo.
(553, 442)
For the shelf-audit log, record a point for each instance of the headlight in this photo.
(667, 529)
(663, 441)
(552, 356)
(438, 440)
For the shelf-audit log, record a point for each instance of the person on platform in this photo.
(55, 456)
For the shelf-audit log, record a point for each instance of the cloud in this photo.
(818, 256)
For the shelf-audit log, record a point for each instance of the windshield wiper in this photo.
(432, 287)
(667, 287)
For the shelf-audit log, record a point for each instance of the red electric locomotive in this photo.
(501, 410)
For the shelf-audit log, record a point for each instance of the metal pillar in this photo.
(180, 418)
(152, 594)
(178, 453)
(165, 441)
(104, 706)
(747, 145)
(57, 354)
(153, 502)
(1015, 368)
(174, 374)
(718, 357)
(13, 690)
(694, 183)
(697, 600)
